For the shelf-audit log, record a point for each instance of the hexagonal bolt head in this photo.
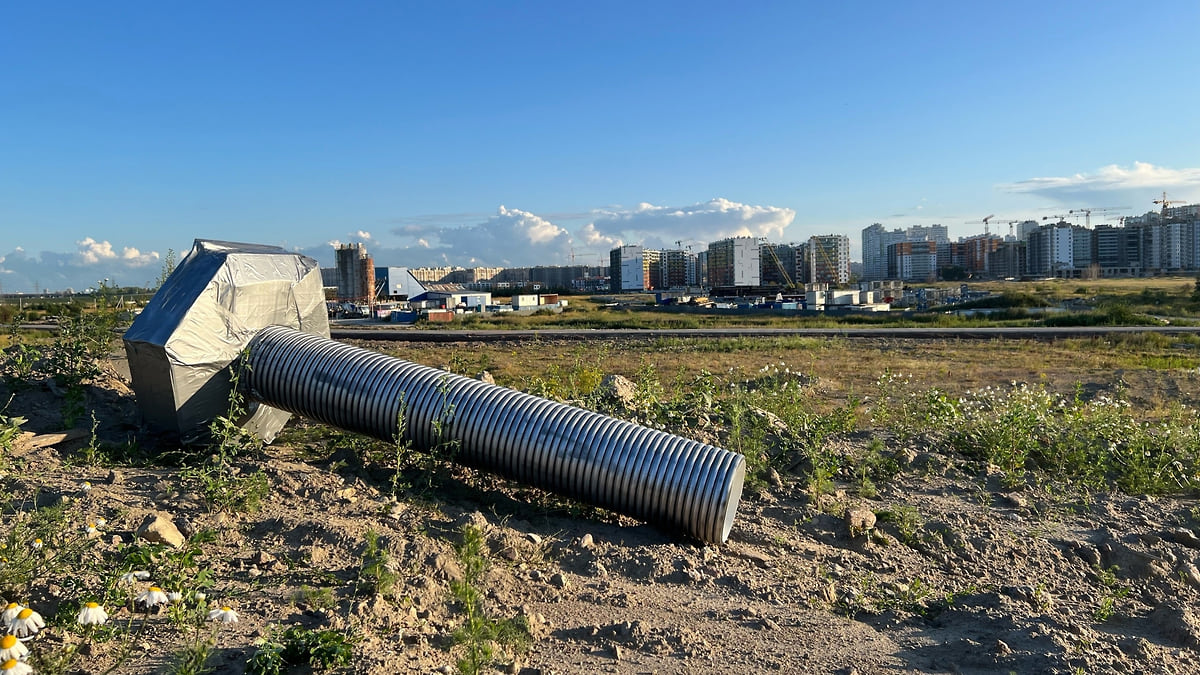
(181, 346)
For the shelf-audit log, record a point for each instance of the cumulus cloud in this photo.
(662, 226)
(92, 252)
(77, 270)
(363, 234)
(1139, 179)
(590, 236)
(515, 237)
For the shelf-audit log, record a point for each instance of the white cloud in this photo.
(135, 258)
(702, 223)
(593, 237)
(1140, 178)
(514, 237)
(511, 237)
(363, 234)
(79, 269)
(92, 252)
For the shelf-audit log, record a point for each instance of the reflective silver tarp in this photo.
(220, 295)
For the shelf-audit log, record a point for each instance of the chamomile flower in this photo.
(130, 577)
(152, 597)
(15, 667)
(92, 531)
(100, 522)
(10, 612)
(85, 486)
(174, 597)
(37, 543)
(224, 615)
(11, 648)
(92, 614)
(200, 596)
(26, 624)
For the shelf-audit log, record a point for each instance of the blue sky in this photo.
(527, 133)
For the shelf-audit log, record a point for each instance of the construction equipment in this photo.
(984, 221)
(1167, 202)
(1101, 210)
(787, 280)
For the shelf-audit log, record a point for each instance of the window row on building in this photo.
(735, 262)
(1141, 247)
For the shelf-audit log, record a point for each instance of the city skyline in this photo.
(535, 133)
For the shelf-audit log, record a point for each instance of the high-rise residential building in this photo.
(1051, 250)
(1118, 250)
(829, 259)
(1082, 247)
(938, 233)
(875, 241)
(913, 260)
(778, 265)
(734, 262)
(1008, 260)
(676, 269)
(627, 269)
(973, 253)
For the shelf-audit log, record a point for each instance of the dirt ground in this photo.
(958, 575)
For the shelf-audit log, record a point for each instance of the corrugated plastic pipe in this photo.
(668, 480)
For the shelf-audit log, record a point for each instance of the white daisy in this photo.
(10, 612)
(174, 597)
(37, 543)
(26, 624)
(100, 522)
(11, 648)
(85, 486)
(224, 615)
(92, 531)
(152, 597)
(92, 614)
(15, 667)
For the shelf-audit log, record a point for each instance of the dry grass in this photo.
(1153, 369)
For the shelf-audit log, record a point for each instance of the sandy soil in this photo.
(957, 575)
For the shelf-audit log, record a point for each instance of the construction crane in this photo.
(1167, 202)
(984, 221)
(787, 280)
(1100, 209)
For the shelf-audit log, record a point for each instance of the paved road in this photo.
(341, 332)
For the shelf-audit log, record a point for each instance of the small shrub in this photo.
(376, 574)
(281, 651)
(479, 634)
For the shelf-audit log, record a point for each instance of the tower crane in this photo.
(1100, 209)
(984, 221)
(763, 243)
(1166, 202)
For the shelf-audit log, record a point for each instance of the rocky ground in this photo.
(942, 571)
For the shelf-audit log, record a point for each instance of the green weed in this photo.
(279, 652)
(376, 574)
(479, 634)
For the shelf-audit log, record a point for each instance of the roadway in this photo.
(402, 334)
